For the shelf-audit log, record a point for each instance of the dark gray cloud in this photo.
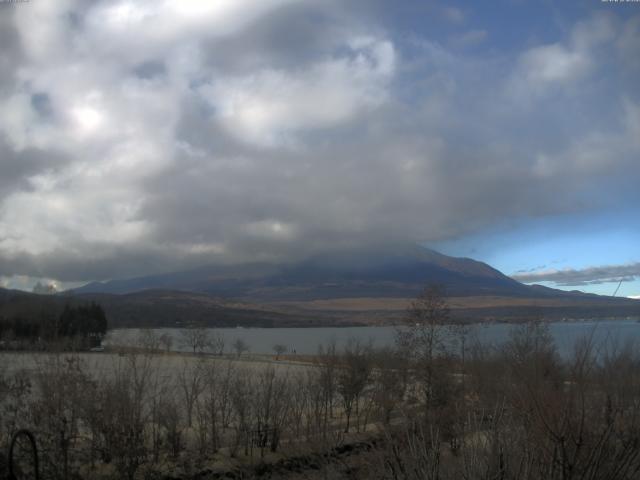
(150, 69)
(585, 276)
(16, 167)
(290, 37)
(146, 137)
(10, 50)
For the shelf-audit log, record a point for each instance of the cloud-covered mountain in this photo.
(151, 136)
(345, 274)
(376, 275)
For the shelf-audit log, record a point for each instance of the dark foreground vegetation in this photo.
(427, 409)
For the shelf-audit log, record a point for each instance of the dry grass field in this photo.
(364, 304)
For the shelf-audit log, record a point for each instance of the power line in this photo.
(618, 287)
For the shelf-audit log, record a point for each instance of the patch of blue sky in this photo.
(557, 243)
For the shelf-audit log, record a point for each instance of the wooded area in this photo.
(426, 409)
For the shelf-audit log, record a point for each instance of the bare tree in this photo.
(191, 383)
(241, 393)
(196, 338)
(460, 332)
(410, 452)
(390, 381)
(217, 343)
(15, 390)
(159, 388)
(170, 421)
(166, 341)
(353, 376)
(240, 347)
(119, 414)
(422, 336)
(272, 399)
(214, 405)
(279, 349)
(326, 385)
(300, 404)
(148, 340)
(57, 410)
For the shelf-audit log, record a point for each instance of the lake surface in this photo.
(307, 340)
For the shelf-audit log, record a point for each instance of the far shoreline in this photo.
(384, 325)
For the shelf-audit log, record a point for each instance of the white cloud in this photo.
(553, 63)
(18, 282)
(543, 68)
(88, 119)
(148, 28)
(42, 29)
(270, 106)
(596, 30)
(41, 285)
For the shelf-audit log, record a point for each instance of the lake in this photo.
(307, 340)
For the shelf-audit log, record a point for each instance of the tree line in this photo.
(86, 323)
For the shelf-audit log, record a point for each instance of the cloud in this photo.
(454, 14)
(267, 106)
(553, 63)
(530, 270)
(470, 38)
(544, 68)
(154, 136)
(112, 27)
(629, 43)
(45, 289)
(582, 277)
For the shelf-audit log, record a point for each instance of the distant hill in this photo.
(169, 308)
(162, 308)
(16, 303)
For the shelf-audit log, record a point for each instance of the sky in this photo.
(148, 136)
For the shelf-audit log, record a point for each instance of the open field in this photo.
(171, 405)
(101, 363)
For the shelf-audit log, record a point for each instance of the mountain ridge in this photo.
(368, 287)
(395, 274)
(345, 289)
(346, 274)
